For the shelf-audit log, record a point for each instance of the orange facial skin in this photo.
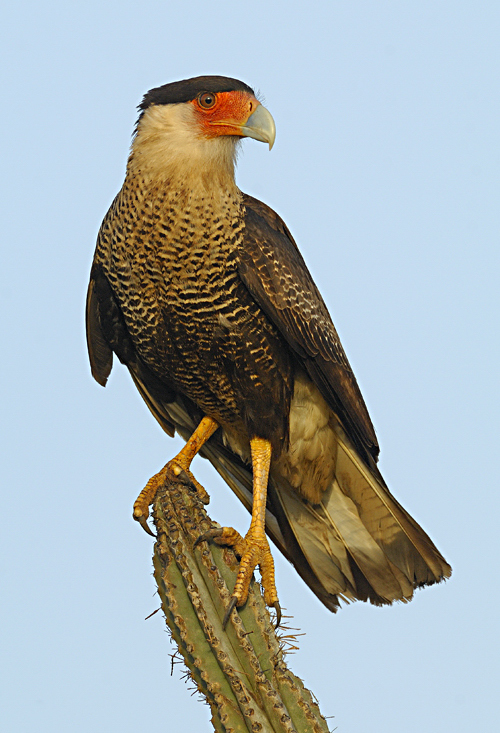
(227, 115)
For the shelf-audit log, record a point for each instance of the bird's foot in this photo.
(253, 549)
(175, 470)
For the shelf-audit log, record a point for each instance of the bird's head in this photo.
(191, 128)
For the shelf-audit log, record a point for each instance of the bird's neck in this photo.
(167, 149)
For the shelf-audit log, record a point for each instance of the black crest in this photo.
(188, 89)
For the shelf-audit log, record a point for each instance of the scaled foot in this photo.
(254, 551)
(179, 471)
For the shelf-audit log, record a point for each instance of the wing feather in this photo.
(276, 275)
(359, 539)
(100, 352)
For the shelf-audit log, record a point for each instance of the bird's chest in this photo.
(174, 266)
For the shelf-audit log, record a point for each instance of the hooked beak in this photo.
(260, 125)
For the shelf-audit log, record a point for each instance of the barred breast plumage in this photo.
(171, 257)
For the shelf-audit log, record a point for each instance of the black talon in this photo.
(185, 480)
(143, 522)
(229, 609)
(201, 538)
(207, 536)
(277, 608)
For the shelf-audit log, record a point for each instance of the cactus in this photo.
(240, 670)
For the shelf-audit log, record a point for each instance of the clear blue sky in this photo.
(386, 169)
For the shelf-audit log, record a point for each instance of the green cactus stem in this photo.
(240, 670)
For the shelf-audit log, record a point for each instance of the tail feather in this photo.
(339, 511)
(361, 543)
(321, 543)
(403, 541)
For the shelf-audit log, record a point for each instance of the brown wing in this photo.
(107, 333)
(358, 542)
(276, 275)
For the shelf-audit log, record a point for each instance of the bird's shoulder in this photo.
(272, 263)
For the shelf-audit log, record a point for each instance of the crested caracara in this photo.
(201, 291)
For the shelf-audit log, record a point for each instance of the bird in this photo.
(201, 292)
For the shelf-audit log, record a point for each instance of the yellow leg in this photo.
(254, 547)
(179, 466)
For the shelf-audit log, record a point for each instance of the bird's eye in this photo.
(207, 100)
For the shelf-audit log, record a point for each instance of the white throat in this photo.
(169, 145)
